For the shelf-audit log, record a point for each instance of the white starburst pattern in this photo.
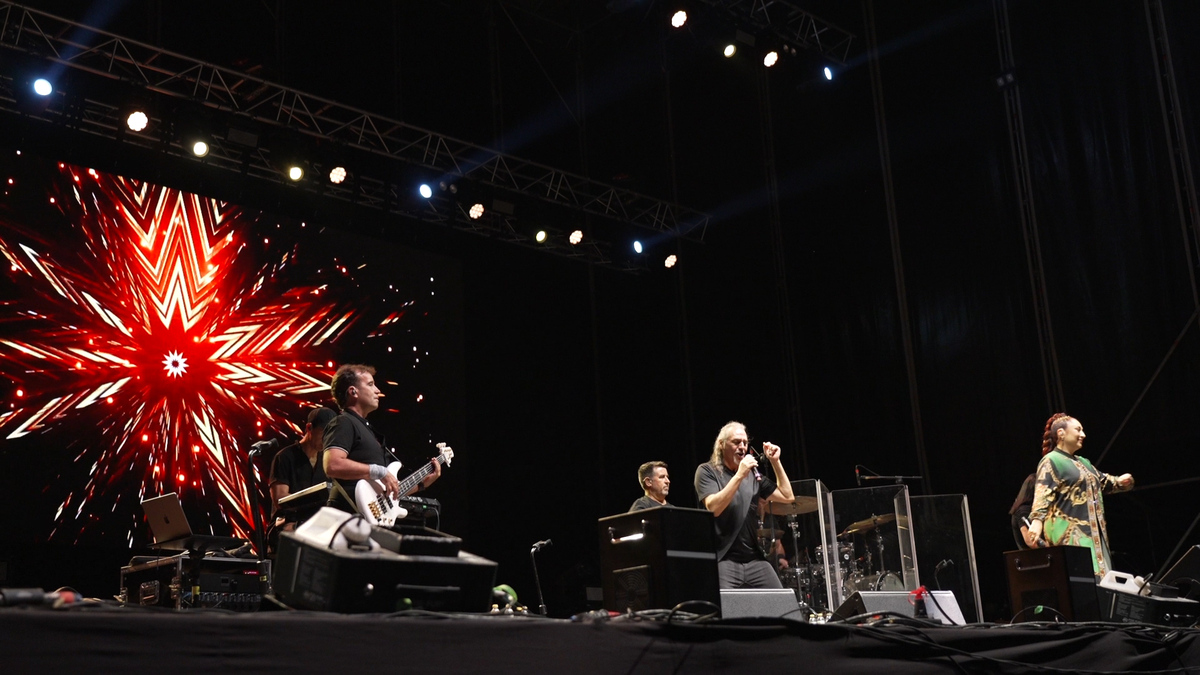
(175, 364)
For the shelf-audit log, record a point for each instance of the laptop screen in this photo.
(167, 521)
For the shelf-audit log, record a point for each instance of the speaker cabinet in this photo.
(760, 602)
(658, 558)
(941, 607)
(1058, 577)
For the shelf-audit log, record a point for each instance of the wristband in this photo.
(377, 471)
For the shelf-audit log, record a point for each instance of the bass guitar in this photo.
(373, 501)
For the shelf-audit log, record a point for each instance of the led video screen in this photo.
(149, 336)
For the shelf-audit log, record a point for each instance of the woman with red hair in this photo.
(1068, 498)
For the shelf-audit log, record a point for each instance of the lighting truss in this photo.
(250, 100)
(789, 23)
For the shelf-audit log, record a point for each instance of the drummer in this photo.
(727, 485)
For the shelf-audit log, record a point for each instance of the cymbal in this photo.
(770, 534)
(867, 524)
(795, 507)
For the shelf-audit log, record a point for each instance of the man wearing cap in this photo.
(299, 465)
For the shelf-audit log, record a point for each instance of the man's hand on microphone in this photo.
(747, 465)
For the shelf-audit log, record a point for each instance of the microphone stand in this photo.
(258, 524)
(536, 580)
(898, 480)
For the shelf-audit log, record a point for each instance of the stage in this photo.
(107, 638)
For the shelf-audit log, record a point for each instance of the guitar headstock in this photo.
(447, 454)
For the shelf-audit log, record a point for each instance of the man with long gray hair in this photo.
(730, 485)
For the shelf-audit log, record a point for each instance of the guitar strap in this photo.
(350, 500)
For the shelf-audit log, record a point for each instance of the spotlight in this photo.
(540, 236)
(337, 175)
(476, 211)
(576, 237)
(771, 58)
(678, 19)
(137, 120)
(295, 172)
(425, 190)
(637, 247)
(828, 73)
(730, 50)
(42, 87)
(200, 148)
(670, 261)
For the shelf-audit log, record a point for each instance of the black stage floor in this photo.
(107, 639)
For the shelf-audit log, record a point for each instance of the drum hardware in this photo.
(797, 506)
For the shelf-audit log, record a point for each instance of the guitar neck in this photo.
(417, 476)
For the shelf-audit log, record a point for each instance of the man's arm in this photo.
(720, 500)
(339, 465)
(783, 490)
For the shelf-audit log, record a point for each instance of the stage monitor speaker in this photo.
(942, 607)
(317, 577)
(1185, 574)
(760, 602)
(658, 558)
(1058, 577)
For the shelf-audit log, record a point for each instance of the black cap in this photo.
(320, 417)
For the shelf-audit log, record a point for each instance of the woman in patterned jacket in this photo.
(1068, 499)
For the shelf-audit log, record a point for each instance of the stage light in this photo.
(540, 236)
(137, 120)
(828, 73)
(42, 87)
(670, 261)
(576, 237)
(476, 211)
(425, 190)
(771, 58)
(679, 18)
(200, 148)
(730, 50)
(637, 247)
(337, 175)
(295, 172)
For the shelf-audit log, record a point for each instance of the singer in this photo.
(1068, 499)
(729, 485)
(353, 449)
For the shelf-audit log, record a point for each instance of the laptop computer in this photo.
(171, 530)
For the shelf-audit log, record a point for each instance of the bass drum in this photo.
(883, 581)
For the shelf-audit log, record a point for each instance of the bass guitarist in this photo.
(353, 449)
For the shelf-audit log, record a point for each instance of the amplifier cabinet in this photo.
(315, 577)
(1058, 577)
(179, 582)
(1130, 608)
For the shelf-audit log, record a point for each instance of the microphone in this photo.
(943, 565)
(541, 544)
(755, 455)
(264, 446)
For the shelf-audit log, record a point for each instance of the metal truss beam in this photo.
(252, 100)
(796, 26)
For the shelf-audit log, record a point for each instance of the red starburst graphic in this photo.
(158, 326)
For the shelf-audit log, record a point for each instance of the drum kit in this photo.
(806, 574)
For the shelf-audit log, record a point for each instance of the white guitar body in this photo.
(371, 496)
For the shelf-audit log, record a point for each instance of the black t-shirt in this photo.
(292, 468)
(645, 502)
(737, 536)
(362, 443)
